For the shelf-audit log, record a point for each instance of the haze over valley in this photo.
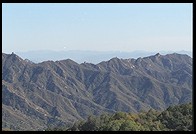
(94, 57)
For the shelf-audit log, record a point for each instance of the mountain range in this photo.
(54, 93)
(88, 56)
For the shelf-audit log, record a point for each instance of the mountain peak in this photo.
(14, 58)
(115, 58)
(158, 54)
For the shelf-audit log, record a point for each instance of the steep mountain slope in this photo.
(35, 96)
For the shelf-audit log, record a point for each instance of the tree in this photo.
(92, 124)
(119, 115)
(129, 125)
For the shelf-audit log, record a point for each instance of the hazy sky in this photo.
(100, 27)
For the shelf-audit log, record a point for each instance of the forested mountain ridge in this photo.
(61, 92)
(174, 118)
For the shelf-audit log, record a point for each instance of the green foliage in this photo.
(129, 125)
(119, 115)
(91, 124)
(113, 125)
(174, 118)
(177, 118)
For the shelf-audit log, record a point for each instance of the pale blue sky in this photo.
(100, 27)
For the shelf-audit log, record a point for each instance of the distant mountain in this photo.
(51, 93)
(87, 56)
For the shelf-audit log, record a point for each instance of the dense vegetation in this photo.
(174, 118)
